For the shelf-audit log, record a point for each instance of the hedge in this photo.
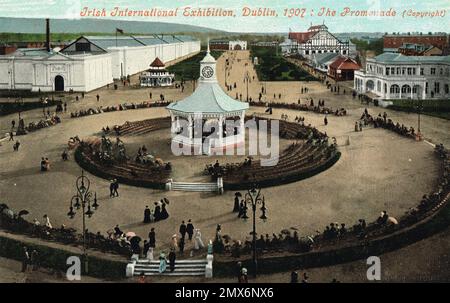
(55, 258)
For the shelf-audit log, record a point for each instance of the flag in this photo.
(119, 30)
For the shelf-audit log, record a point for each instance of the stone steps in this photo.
(182, 268)
(195, 187)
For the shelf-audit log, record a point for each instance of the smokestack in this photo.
(47, 34)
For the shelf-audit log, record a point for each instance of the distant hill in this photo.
(87, 25)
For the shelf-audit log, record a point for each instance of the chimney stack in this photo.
(47, 34)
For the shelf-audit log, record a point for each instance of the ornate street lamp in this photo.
(253, 197)
(82, 199)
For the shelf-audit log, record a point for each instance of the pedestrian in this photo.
(111, 189)
(25, 259)
(238, 270)
(152, 238)
(162, 262)
(34, 258)
(11, 136)
(47, 222)
(181, 245)
(98, 98)
(145, 249)
(243, 278)
(198, 242)
(294, 277)
(236, 203)
(325, 121)
(147, 214)
(115, 188)
(172, 258)
(16, 146)
(190, 229)
(164, 213)
(13, 124)
(157, 211)
(183, 229)
(305, 278)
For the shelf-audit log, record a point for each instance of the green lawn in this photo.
(273, 67)
(436, 108)
(189, 69)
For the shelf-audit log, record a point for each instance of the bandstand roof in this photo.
(209, 98)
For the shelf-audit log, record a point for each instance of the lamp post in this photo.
(254, 197)
(19, 102)
(82, 199)
(247, 79)
(226, 70)
(419, 111)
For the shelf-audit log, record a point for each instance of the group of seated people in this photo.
(384, 122)
(119, 107)
(33, 126)
(320, 108)
(17, 223)
(384, 223)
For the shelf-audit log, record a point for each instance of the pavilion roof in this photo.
(208, 98)
(157, 63)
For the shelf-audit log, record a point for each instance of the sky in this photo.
(71, 9)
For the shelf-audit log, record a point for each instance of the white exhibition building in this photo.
(90, 62)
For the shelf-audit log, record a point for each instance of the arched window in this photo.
(406, 89)
(395, 89)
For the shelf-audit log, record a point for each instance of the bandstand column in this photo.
(220, 129)
(190, 127)
(242, 121)
(173, 126)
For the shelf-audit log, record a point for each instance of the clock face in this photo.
(207, 72)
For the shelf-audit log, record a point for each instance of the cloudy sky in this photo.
(71, 9)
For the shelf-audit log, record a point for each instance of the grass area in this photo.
(273, 67)
(436, 108)
(189, 69)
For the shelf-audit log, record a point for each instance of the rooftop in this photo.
(399, 58)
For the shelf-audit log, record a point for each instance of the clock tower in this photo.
(208, 68)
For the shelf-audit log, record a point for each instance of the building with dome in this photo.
(157, 75)
(208, 120)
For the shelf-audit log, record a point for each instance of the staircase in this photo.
(197, 187)
(182, 268)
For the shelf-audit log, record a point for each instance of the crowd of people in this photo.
(383, 121)
(287, 240)
(310, 106)
(159, 212)
(119, 107)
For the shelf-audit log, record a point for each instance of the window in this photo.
(409, 71)
(421, 71)
(436, 87)
(83, 47)
(433, 71)
(446, 89)
(387, 71)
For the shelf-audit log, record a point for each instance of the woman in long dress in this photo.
(162, 262)
(157, 211)
(198, 243)
(164, 213)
